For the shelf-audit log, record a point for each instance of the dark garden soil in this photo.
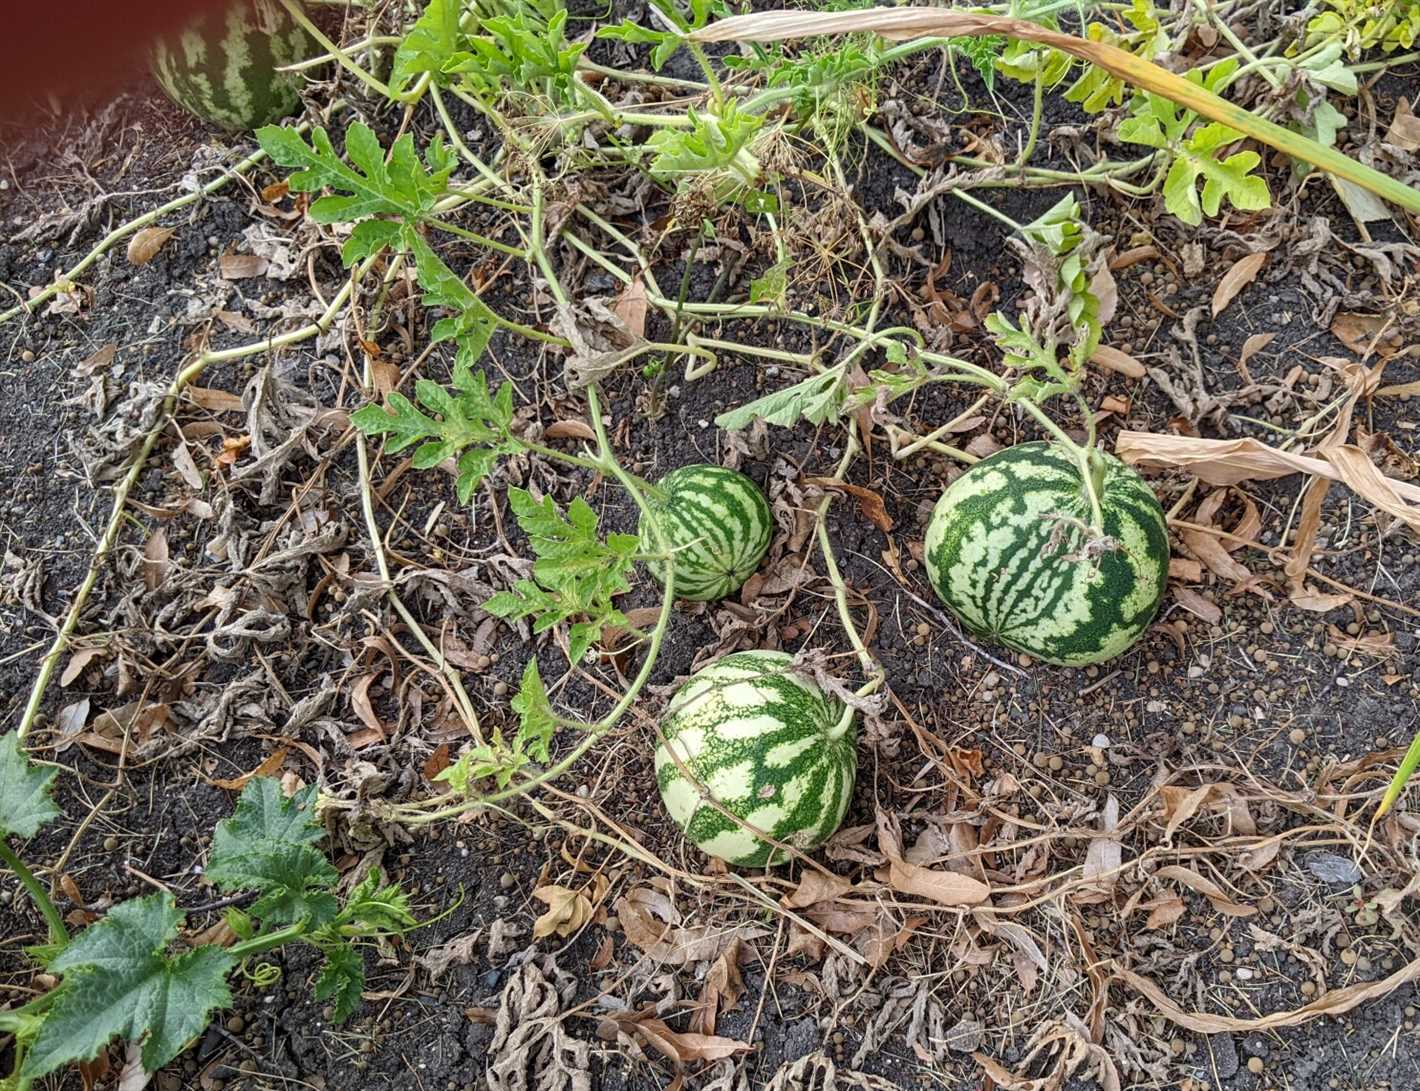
(239, 624)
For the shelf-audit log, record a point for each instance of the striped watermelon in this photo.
(717, 522)
(768, 745)
(1006, 550)
(223, 66)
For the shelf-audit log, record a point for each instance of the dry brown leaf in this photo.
(1103, 288)
(214, 400)
(1380, 645)
(1361, 333)
(1113, 359)
(601, 957)
(360, 702)
(1181, 804)
(630, 307)
(682, 1047)
(1251, 347)
(1209, 889)
(99, 359)
(268, 768)
(1243, 272)
(1335, 1002)
(155, 560)
(1186, 569)
(77, 662)
(570, 429)
(235, 320)
(1164, 911)
(1404, 130)
(869, 502)
(567, 911)
(143, 247)
(722, 989)
(1229, 461)
(384, 375)
(241, 266)
(815, 886)
(1403, 390)
(944, 887)
(1105, 854)
(650, 922)
(845, 918)
(1196, 604)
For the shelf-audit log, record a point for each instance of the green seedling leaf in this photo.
(119, 981)
(491, 761)
(817, 399)
(536, 721)
(772, 285)
(376, 907)
(341, 979)
(465, 422)
(575, 576)
(1231, 177)
(25, 805)
(268, 845)
(431, 44)
(716, 149)
(664, 43)
(524, 50)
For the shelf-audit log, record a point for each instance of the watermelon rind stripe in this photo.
(718, 525)
(991, 558)
(223, 67)
(765, 743)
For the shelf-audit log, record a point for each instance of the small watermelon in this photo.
(718, 524)
(768, 745)
(1008, 550)
(223, 67)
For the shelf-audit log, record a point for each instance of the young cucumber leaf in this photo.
(25, 805)
(268, 845)
(119, 981)
(341, 979)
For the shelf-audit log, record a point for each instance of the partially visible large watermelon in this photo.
(718, 523)
(765, 743)
(223, 67)
(1007, 550)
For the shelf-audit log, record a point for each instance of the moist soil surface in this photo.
(252, 497)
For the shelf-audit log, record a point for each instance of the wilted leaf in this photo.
(363, 707)
(1164, 911)
(241, 266)
(143, 247)
(155, 560)
(99, 359)
(268, 768)
(944, 887)
(721, 991)
(630, 307)
(1197, 605)
(1243, 272)
(1331, 867)
(682, 1047)
(1113, 359)
(1227, 462)
(869, 502)
(570, 429)
(1209, 889)
(816, 886)
(1404, 131)
(1105, 853)
(567, 911)
(1251, 347)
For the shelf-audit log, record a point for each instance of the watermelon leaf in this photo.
(431, 45)
(818, 399)
(576, 573)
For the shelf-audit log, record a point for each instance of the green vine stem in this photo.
(58, 933)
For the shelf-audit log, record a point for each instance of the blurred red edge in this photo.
(80, 51)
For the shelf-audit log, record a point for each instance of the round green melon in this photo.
(765, 743)
(718, 525)
(223, 67)
(1008, 549)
